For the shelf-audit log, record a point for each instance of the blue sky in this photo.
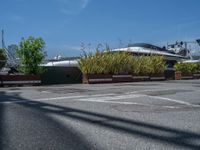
(64, 24)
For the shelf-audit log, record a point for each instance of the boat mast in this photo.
(2, 37)
(11, 62)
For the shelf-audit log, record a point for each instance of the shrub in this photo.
(187, 67)
(197, 68)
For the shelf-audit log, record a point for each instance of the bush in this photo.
(197, 68)
(187, 67)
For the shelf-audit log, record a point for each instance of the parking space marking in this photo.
(111, 102)
(112, 98)
(54, 98)
(90, 98)
(38, 100)
(108, 100)
(174, 100)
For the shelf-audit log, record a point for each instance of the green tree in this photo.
(31, 54)
(3, 58)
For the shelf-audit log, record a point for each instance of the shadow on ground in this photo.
(1, 122)
(26, 127)
(153, 132)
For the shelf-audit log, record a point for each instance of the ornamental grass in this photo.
(109, 62)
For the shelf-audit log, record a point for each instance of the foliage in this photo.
(141, 65)
(3, 58)
(187, 67)
(145, 65)
(157, 64)
(105, 63)
(109, 62)
(197, 67)
(31, 53)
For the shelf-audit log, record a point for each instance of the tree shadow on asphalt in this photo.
(153, 132)
(1, 123)
(24, 127)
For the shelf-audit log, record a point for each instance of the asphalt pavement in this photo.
(122, 116)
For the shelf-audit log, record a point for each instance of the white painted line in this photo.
(12, 102)
(43, 99)
(93, 99)
(108, 98)
(58, 98)
(171, 107)
(54, 98)
(71, 97)
(163, 98)
(124, 103)
(98, 95)
(100, 101)
(151, 90)
(45, 92)
(174, 100)
(111, 102)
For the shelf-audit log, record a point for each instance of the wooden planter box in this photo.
(108, 78)
(97, 78)
(196, 75)
(157, 77)
(186, 76)
(122, 78)
(20, 80)
(137, 78)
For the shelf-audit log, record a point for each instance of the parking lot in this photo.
(139, 115)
